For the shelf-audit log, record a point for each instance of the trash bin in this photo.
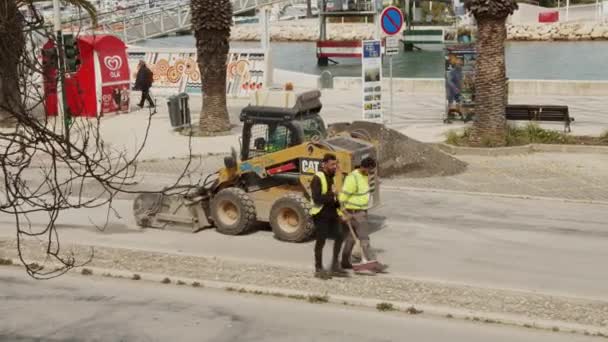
(179, 110)
(326, 80)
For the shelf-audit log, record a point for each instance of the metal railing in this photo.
(157, 21)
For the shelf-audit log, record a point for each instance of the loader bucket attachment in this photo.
(160, 211)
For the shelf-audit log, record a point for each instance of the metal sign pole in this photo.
(390, 63)
(60, 75)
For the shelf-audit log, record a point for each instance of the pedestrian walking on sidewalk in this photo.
(354, 198)
(325, 213)
(143, 82)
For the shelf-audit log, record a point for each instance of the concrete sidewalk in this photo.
(418, 116)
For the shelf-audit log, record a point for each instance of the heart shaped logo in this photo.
(113, 62)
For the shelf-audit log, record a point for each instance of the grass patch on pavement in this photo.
(86, 272)
(315, 299)
(35, 267)
(531, 133)
(385, 307)
(413, 311)
(297, 297)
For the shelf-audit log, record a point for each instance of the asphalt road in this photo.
(75, 308)
(539, 245)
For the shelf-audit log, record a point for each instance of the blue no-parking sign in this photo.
(391, 20)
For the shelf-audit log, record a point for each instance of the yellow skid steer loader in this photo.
(283, 142)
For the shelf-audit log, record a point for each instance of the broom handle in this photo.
(352, 231)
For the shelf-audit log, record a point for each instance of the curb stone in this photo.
(518, 150)
(400, 307)
(492, 194)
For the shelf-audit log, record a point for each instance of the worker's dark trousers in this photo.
(361, 227)
(326, 227)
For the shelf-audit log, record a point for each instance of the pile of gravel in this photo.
(401, 155)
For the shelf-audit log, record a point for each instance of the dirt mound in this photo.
(401, 155)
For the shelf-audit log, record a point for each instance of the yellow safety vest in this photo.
(317, 208)
(355, 192)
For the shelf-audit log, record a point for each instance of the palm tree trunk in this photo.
(212, 57)
(490, 79)
(12, 45)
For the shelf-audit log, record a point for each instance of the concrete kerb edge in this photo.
(437, 85)
(193, 156)
(485, 151)
(492, 194)
(519, 150)
(400, 307)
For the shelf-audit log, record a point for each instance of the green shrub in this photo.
(517, 136)
(604, 137)
(456, 138)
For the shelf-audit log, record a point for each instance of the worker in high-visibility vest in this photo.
(325, 211)
(354, 199)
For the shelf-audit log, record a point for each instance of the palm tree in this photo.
(12, 47)
(490, 77)
(211, 23)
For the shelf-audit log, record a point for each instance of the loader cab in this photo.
(271, 128)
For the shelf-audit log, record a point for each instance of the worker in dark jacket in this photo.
(143, 82)
(325, 213)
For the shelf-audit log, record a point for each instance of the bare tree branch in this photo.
(43, 173)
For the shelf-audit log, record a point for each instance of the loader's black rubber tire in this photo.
(290, 219)
(233, 212)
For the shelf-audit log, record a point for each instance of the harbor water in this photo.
(525, 60)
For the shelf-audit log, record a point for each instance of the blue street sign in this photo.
(391, 20)
(371, 49)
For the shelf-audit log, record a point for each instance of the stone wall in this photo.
(308, 30)
(565, 31)
(303, 30)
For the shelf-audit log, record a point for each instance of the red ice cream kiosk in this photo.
(101, 83)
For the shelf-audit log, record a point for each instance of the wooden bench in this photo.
(539, 113)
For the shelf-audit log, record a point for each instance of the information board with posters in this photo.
(176, 70)
(371, 66)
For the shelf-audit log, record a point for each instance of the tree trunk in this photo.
(490, 127)
(212, 57)
(12, 45)
(308, 8)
